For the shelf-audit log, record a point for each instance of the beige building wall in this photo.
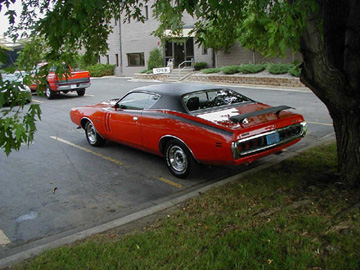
(131, 42)
(239, 55)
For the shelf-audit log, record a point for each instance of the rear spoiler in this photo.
(276, 110)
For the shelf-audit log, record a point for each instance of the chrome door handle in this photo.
(135, 118)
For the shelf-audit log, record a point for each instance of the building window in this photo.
(136, 59)
(107, 59)
(117, 59)
(204, 51)
(146, 13)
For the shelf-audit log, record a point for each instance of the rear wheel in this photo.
(93, 138)
(179, 160)
(50, 94)
(81, 92)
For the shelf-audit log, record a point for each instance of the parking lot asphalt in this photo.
(60, 189)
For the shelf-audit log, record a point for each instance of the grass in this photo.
(294, 215)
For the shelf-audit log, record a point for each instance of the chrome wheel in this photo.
(93, 138)
(91, 133)
(178, 159)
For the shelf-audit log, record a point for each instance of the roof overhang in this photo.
(183, 33)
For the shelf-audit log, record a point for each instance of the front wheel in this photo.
(93, 138)
(81, 92)
(179, 160)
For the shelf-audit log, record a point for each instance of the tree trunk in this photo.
(254, 56)
(347, 130)
(331, 69)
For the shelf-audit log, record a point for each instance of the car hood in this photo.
(222, 116)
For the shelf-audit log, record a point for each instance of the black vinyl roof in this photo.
(171, 94)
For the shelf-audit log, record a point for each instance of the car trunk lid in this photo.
(248, 115)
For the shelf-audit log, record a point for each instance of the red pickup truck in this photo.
(77, 81)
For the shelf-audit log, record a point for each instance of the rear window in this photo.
(65, 68)
(212, 98)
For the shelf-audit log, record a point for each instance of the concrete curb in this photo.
(149, 211)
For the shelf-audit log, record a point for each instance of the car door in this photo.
(125, 121)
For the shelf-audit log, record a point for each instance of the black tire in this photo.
(93, 138)
(81, 92)
(50, 94)
(178, 158)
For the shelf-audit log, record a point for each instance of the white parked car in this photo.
(17, 77)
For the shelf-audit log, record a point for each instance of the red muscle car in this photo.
(188, 123)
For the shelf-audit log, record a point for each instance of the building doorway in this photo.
(179, 51)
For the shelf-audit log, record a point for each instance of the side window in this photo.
(138, 101)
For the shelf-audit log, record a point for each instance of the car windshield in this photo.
(212, 98)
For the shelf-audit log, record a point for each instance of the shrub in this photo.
(200, 65)
(251, 68)
(155, 59)
(144, 71)
(99, 70)
(149, 71)
(211, 70)
(278, 68)
(87, 59)
(230, 69)
(295, 70)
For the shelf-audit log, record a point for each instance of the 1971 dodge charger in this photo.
(189, 123)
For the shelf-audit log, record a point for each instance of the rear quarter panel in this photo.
(208, 144)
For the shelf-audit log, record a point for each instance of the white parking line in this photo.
(4, 240)
(167, 181)
(88, 150)
(37, 101)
